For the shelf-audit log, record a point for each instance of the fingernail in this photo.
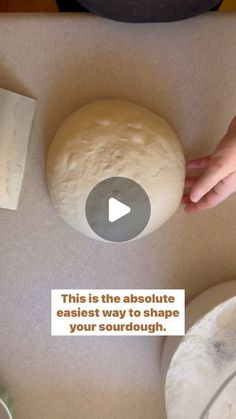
(194, 197)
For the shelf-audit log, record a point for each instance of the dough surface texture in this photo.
(112, 138)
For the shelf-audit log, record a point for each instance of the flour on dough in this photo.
(111, 138)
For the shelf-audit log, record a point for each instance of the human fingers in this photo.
(201, 163)
(186, 200)
(214, 197)
(216, 172)
(190, 181)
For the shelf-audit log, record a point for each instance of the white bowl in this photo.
(195, 310)
(196, 367)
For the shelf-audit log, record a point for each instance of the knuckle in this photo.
(217, 190)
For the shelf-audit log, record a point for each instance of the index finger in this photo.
(214, 174)
(210, 200)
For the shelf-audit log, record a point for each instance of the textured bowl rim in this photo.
(195, 310)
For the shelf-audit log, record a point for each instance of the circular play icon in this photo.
(118, 209)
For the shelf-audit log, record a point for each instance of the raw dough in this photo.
(203, 361)
(115, 138)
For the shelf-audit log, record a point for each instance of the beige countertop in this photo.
(185, 72)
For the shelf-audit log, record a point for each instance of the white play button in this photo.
(117, 210)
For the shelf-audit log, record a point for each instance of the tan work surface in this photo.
(185, 72)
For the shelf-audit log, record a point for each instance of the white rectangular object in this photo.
(16, 118)
(119, 312)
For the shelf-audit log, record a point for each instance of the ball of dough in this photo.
(112, 138)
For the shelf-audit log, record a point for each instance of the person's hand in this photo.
(219, 180)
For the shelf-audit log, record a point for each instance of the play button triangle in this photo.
(117, 210)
